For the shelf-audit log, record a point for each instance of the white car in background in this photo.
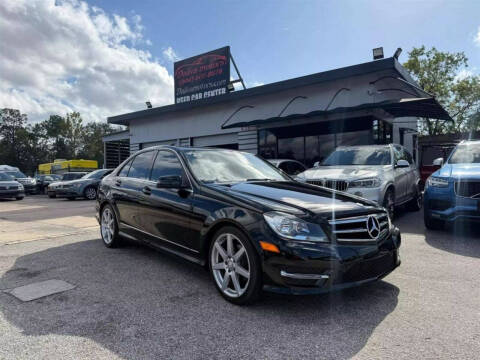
(385, 174)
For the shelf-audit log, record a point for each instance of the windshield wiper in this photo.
(265, 179)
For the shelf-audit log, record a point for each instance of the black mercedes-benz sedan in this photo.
(250, 224)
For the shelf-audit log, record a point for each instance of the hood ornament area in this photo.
(373, 227)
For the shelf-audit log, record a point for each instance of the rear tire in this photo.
(109, 227)
(235, 266)
(416, 203)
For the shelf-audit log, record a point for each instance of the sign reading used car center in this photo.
(202, 76)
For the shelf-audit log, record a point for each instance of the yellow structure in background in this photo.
(61, 166)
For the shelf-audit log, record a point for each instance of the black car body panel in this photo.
(183, 221)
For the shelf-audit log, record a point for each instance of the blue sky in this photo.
(107, 57)
(276, 40)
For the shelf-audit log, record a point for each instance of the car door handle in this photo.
(118, 182)
(147, 191)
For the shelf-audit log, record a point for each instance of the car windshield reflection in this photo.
(226, 167)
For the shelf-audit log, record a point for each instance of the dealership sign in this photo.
(202, 76)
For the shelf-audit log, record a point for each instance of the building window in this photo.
(292, 148)
(267, 144)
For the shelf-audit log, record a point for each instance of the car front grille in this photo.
(359, 229)
(468, 188)
(339, 185)
(13, 187)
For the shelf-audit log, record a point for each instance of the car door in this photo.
(412, 175)
(168, 210)
(401, 175)
(127, 190)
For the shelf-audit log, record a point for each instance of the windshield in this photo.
(226, 166)
(358, 156)
(5, 177)
(466, 154)
(17, 174)
(97, 174)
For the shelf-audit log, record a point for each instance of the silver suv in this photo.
(385, 174)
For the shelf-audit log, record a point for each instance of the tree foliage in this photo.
(58, 137)
(439, 73)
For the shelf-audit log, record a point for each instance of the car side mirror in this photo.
(169, 182)
(402, 164)
(438, 162)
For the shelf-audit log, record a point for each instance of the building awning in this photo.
(415, 107)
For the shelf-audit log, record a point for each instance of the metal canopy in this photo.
(417, 107)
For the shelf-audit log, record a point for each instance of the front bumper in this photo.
(372, 194)
(443, 204)
(11, 193)
(68, 192)
(331, 267)
(30, 188)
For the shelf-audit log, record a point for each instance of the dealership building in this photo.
(304, 118)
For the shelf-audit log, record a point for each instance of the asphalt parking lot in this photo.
(134, 303)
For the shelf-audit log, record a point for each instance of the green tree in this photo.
(438, 73)
(73, 133)
(12, 136)
(92, 141)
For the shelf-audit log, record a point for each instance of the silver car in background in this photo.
(385, 174)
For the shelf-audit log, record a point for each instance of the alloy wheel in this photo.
(90, 193)
(230, 265)
(107, 226)
(390, 204)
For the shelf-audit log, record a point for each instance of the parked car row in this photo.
(83, 185)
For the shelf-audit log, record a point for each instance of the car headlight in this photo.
(437, 182)
(365, 183)
(34, 182)
(20, 187)
(290, 227)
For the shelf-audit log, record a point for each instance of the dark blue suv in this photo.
(453, 192)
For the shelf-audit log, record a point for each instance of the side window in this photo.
(166, 164)
(408, 157)
(397, 153)
(284, 166)
(124, 171)
(296, 168)
(141, 165)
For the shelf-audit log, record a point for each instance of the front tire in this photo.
(109, 227)
(235, 266)
(389, 202)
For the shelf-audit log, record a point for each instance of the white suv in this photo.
(385, 174)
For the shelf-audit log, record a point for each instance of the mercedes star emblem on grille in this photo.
(373, 227)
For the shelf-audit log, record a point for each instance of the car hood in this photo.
(297, 198)
(9, 183)
(342, 172)
(471, 171)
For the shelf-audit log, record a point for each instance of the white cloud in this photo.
(463, 74)
(477, 37)
(170, 54)
(61, 56)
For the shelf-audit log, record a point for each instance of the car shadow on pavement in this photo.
(461, 239)
(139, 303)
